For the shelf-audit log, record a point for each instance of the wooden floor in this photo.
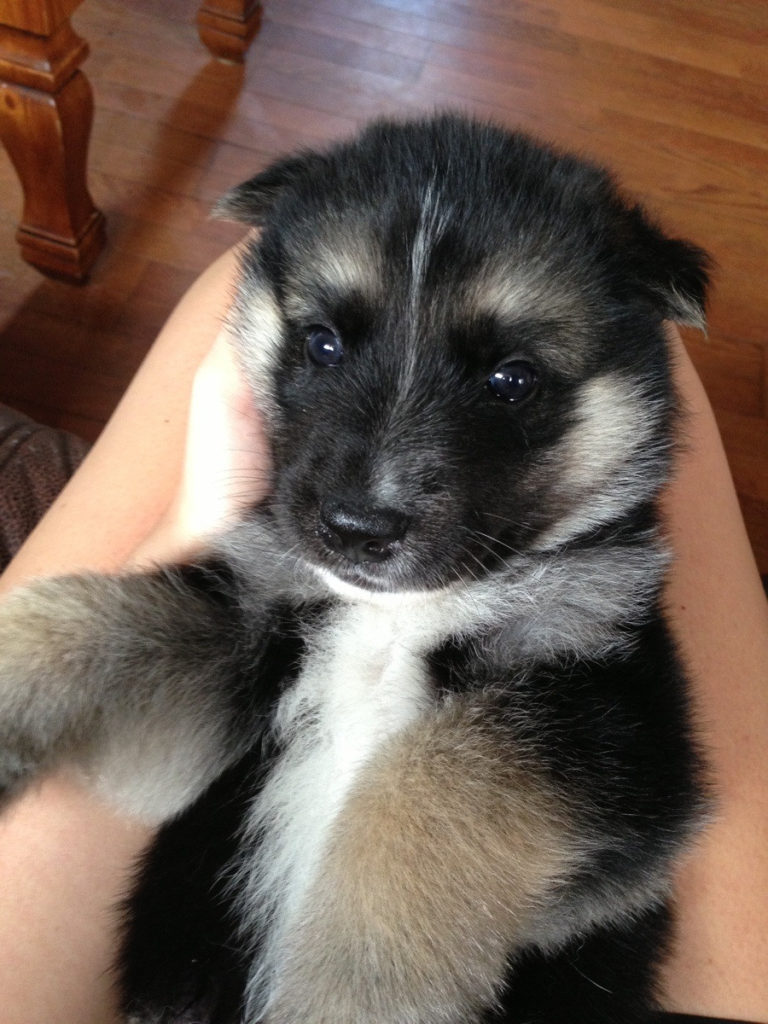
(674, 95)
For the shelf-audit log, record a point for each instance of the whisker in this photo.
(497, 542)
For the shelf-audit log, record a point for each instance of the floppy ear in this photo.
(673, 273)
(251, 202)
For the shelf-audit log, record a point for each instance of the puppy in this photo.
(415, 732)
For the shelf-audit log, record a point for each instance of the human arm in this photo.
(719, 615)
(66, 858)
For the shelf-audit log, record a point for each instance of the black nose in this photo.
(360, 533)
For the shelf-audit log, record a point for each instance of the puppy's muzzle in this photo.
(359, 533)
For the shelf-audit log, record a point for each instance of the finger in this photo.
(226, 465)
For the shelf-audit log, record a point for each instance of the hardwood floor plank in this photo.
(646, 30)
(338, 48)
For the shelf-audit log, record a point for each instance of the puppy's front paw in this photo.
(43, 655)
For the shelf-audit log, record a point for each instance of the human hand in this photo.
(225, 466)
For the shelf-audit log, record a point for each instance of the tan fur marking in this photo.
(440, 860)
(345, 259)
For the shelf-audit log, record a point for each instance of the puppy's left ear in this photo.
(673, 273)
(251, 202)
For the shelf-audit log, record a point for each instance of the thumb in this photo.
(226, 463)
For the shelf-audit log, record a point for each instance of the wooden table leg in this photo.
(227, 27)
(46, 110)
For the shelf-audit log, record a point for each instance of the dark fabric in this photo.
(35, 463)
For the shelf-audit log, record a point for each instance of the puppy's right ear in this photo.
(251, 202)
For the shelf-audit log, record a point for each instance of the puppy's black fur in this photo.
(416, 731)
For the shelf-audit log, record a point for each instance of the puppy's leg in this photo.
(440, 865)
(133, 679)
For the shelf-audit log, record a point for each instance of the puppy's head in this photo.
(456, 336)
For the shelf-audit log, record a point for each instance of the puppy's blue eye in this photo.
(514, 381)
(324, 346)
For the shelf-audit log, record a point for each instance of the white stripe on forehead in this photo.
(420, 249)
(434, 217)
(433, 220)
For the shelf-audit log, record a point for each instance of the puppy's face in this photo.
(456, 337)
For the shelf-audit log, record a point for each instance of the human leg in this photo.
(719, 614)
(69, 857)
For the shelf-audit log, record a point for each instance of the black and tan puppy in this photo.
(415, 730)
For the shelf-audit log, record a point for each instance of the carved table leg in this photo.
(227, 27)
(46, 109)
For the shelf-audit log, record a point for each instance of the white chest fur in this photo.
(364, 679)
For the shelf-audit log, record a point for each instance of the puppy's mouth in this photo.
(384, 550)
(397, 577)
(350, 541)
